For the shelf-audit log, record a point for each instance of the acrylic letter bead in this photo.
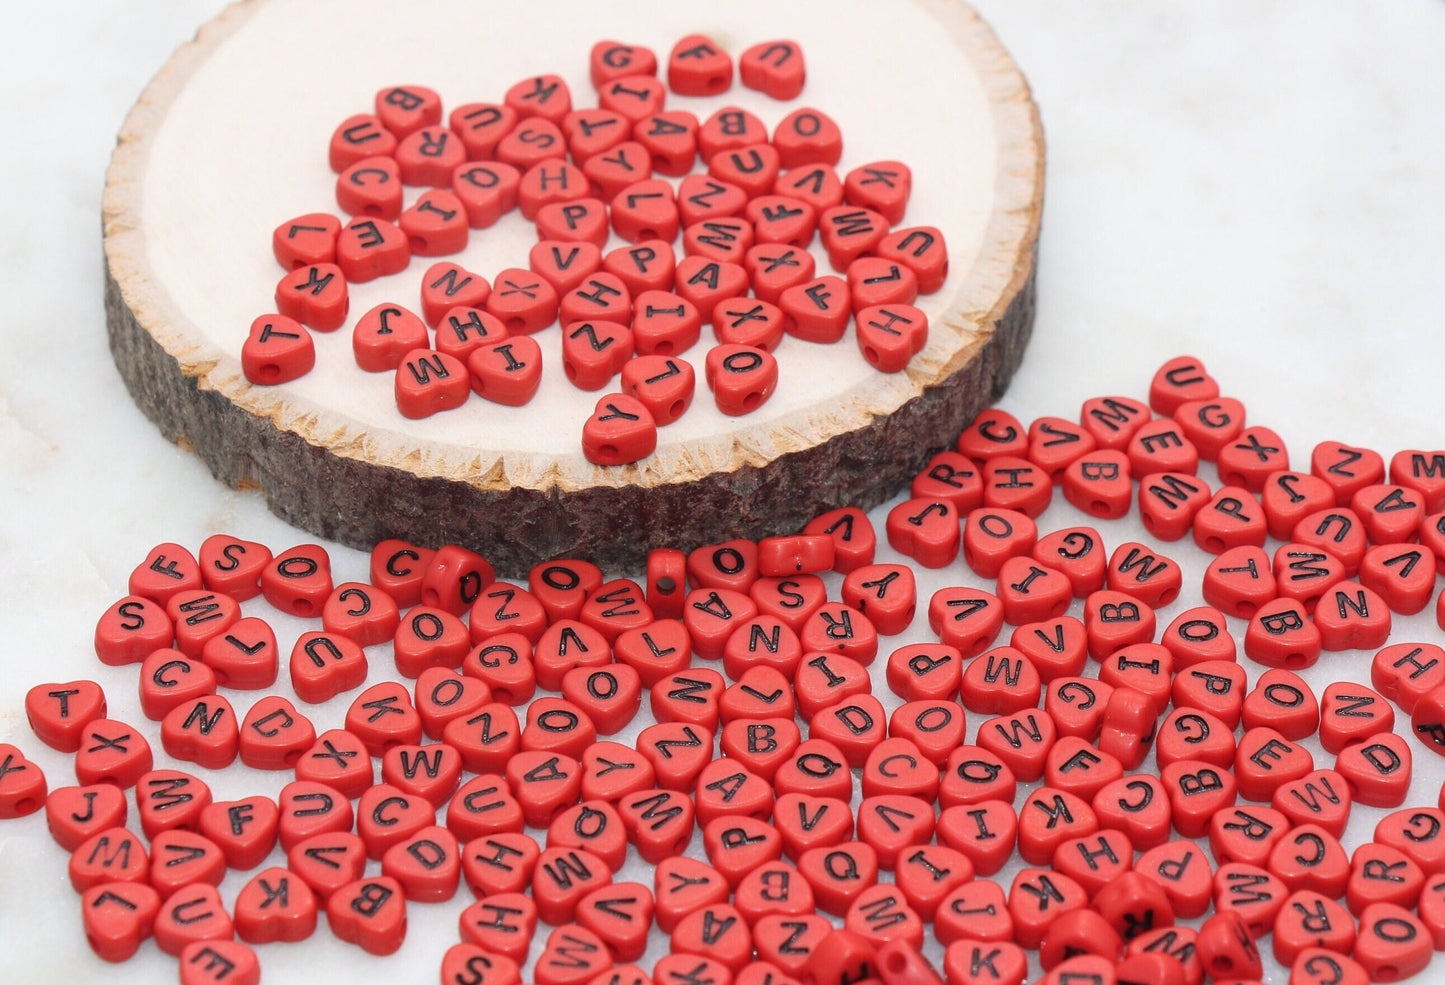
(1169, 502)
(1240, 580)
(889, 335)
(1306, 571)
(118, 917)
(1346, 469)
(276, 905)
(306, 240)
(1232, 518)
(704, 282)
(397, 568)
(59, 713)
(1252, 458)
(1098, 482)
(487, 191)
(277, 350)
(882, 186)
(621, 430)
(1179, 380)
(748, 322)
(697, 67)
(193, 913)
(314, 295)
(1113, 420)
(742, 378)
(1265, 759)
(1280, 634)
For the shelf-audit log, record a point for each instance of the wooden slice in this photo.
(229, 140)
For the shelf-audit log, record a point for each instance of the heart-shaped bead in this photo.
(118, 917)
(59, 713)
(275, 905)
(219, 963)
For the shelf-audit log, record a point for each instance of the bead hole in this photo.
(303, 608)
(662, 349)
(607, 451)
(1099, 508)
(430, 597)
(516, 325)
(896, 962)
(752, 400)
(648, 234)
(870, 354)
(269, 372)
(1246, 610)
(1214, 545)
(677, 408)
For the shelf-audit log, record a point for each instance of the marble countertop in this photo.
(1259, 184)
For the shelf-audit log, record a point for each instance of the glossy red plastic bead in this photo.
(1401, 574)
(311, 238)
(110, 752)
(690, 695)
(170, 799)
(370, 913)
(1113, 620)
(993, 432)
(1281, 634)
(758, 692)
(973, 774)
(1137, 805)
(1377, 771)
(1309, 919)
(315, 296)
(853, 725)
(181, 858)
(166, 570)
(1038, 897)
(926, 530)
(992, 536)
(111, 855)
(201, 616)
(1352, 617)
(711, 616)
(1000, 681)
(1022, 740)
(1309, 857)
(839, 873)
(1049, 817)
(203, 730)
(1178, 381)
(308, 809)
(889, 335)
(818, 768)
(245, 830)
(1265, 759)
(1192, 733)
(1077, 705)
(1338, 531)
(505, 608)
(327, 861)
(118, 917)
(1098, 482)
(338, 759)
(74, 814)
(1094, 860)
(1169, 503)
(1305, 573)
(977, 911)
(1147, 668)
(1197, 792)
(131, 630)
(59, 713)
(741, 377)
(1113, 420)
(1015, 484)
(275, 905)
(799, 554)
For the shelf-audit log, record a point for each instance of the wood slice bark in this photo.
(347, 477)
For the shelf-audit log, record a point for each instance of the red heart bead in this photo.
(328, 861)
(275, 905)
(118, 917)
(219, 963)
(274, 735)
(244, 829)
(308, 809)
(233, 565)
(370, 913)
(73, 814)
(181, 858)
(192, 913)
(59, 713)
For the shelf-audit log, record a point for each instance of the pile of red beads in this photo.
(745, 205)
(733, 645)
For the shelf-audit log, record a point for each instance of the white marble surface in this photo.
(1257, 183)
